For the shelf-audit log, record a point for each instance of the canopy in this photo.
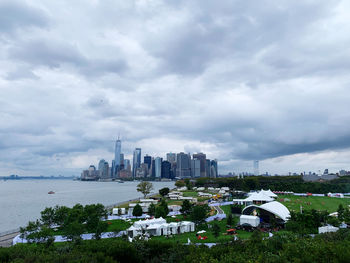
(259, 197)
(274, 207)
(268, 193)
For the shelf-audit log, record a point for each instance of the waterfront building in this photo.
(148, 160)
(105, 173)
(171, 157)
(136, 162)
(117, 152)
(166, 170)
(214, 168)
(127, 164)
(158, 167)
(144, 168)
(195, 168)
(207, 168)
(202, 157)
(113, 170)
(100, 167)
(183, 165)
(126, 174)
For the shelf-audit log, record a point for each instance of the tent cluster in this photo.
(259, 197)
(159, 227)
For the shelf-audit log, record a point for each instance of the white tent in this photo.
(274, 207)
(254, 221)
(260, 197)
(268, 193)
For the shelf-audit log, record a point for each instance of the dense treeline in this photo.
(278, 183)
(332, 247)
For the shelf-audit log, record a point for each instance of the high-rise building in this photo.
(113, 171)
(195, 168)
(183, 165)
(166, 170)
(207, 168)
(136, 162)
(171, 157)
(148, 159)
(105, 171)
(100, 167)
(158, 167)
(127, 165)
(202, 157)
(214, 168)
(117, 152)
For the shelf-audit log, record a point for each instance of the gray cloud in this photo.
(237, 80)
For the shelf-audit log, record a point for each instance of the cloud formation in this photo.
(240, 81)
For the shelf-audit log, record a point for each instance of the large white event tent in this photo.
(274, 207)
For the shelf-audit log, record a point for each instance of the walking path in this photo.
(6, 240)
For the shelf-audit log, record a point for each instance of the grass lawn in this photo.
(118, 225)
(313, 202)
(190, 193)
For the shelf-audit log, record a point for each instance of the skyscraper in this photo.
(183, 165)
(118, 147)
(171, 157)
(136, 162)
(195, 168)
(202, 157)
(158, 167)
(214, 168)
(148, 159)
(166, 170)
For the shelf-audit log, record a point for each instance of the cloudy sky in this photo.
(238, 80)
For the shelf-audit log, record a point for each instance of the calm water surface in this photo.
(22, 200)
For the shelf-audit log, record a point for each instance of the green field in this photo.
(313, 202)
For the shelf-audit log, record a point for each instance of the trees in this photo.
(186, 207)
(164, 191)
(48, 216)
(229, 219)
(199, 213)
(164, 204)
(216, 230)
(137, 211)
(145, 188)
(180, 183)
(152, 210)
(160, 212)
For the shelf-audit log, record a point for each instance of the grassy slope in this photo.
(313, 202)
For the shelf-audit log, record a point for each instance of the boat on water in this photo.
(51, 192)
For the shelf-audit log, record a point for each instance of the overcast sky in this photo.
(238, 80)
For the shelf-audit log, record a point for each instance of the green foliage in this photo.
(145, 188)
(164, 204)
(229, 220)
(180, 183)
(160, 212)
(164, 191)
(137, 211)
(306, 222)
(188, 184)
(282, 247)
(48, 216)
(199, 213)
(279, 183)
(186, 207)
(216, 230)
(152, 209)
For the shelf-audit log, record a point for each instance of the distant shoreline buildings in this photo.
(175, 166)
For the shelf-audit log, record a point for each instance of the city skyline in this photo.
(238, 81)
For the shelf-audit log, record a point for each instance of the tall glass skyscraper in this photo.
(118, 147)
(136, 162)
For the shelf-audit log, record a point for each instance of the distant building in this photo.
(207, 168)
(171, 157)
(195, 168)
(183, 165)
(136, 162)
(214, 168)
(148, 160)
(166, 170)
(202, 158)
(126, 174)
(117, 152)
(90, 175)
(158, 167)
(105, 172)
(127, 165)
